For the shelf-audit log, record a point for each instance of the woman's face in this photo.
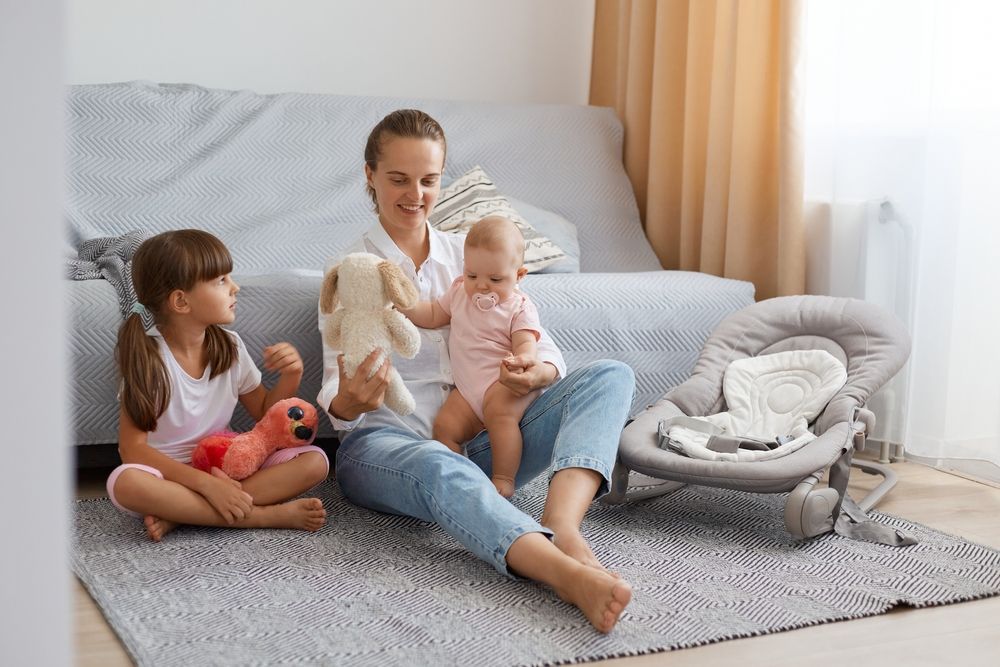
(407, 182)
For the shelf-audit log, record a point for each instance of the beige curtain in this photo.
(709, 93)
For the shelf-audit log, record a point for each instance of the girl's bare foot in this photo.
(600, 596)
(156, 527)
(302, 514)
(505, 486)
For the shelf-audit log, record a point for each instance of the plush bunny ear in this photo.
(328, 295)
(398, 287)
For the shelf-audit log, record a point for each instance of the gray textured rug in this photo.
(372, 589)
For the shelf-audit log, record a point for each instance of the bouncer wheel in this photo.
(809, 511)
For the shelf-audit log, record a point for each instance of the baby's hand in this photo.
(283, 358)
(518, 363)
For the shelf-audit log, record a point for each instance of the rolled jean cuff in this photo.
(500, 555)
(587, 463)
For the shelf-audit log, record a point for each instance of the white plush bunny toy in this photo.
(367, 286)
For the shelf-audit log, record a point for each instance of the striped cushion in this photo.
(471, 197)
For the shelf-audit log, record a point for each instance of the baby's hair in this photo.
(497, 233)
(404, 123)
(174, 260)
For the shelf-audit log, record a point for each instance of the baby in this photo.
(492, 323)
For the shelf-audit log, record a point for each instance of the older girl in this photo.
(181, 380)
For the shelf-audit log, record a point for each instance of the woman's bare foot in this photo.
(302, 514)
(505, 486)
(601, 596)
(156, 527)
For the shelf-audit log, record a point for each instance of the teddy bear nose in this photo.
(303, 432)
(295, 412)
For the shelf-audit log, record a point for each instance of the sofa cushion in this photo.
(655, 322)
(558, 229)
(472, 197)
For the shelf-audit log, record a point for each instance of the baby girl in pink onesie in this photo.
(492, 323)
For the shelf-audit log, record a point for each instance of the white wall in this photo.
(514, 50)
(34, 479)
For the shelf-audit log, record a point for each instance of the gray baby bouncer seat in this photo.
(804, 365)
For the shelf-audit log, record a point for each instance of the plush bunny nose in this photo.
(303, 432)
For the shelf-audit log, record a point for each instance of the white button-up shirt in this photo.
(428, 375)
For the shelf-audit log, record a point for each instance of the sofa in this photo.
(279, 179)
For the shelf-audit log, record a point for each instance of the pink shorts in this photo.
(280, 456)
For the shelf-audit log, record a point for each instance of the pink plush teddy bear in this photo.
(288, 423)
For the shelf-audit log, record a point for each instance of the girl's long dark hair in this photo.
(174, 260)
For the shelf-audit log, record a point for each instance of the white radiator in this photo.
(866, 250)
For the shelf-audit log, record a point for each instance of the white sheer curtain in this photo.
(903, 189)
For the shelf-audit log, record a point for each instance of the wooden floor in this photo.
(959, 634)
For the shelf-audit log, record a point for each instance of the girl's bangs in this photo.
(210, 259)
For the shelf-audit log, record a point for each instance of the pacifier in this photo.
(485, 302)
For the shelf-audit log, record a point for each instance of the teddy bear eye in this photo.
(295, 412)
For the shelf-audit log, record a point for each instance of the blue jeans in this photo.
(576, 423)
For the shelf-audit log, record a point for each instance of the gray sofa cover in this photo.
(279, 179)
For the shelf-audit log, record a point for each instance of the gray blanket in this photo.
(279, 177)
(110, 258)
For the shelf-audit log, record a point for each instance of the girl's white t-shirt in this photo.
(198, 406)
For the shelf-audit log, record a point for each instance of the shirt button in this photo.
(444, 387)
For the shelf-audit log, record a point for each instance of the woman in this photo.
(390, 463)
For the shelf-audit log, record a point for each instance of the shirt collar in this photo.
(388, 248)
(438, 250)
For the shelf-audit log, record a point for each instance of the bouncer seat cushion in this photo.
(772, 400)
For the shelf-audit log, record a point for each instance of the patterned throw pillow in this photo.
(471, 197)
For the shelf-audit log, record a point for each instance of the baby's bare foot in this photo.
(600, 596)
(156, 527)
(504, 485)
(302, 514)
(571, 543)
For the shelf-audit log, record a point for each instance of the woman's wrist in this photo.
(549, 374)
(344, 411)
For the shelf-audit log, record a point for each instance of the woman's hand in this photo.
(227, 496)
(361, 394)
(283, 358)
(523, 375)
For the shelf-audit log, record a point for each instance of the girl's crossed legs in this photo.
(141, 490)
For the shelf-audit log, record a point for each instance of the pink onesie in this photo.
(481, 337)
